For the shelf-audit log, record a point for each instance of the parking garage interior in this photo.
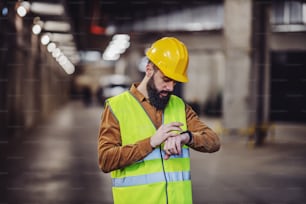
(247, 71)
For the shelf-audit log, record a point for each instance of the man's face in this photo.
(159, 90)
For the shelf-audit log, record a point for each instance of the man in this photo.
(146, 132)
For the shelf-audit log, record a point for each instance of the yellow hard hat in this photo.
(171, 57)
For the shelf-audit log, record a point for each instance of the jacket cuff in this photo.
(145, 147)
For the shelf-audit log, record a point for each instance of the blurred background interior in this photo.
(60, 59)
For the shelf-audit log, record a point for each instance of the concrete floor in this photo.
(57, 163)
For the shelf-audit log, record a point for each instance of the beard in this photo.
(156, 99)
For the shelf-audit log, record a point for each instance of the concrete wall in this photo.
(206, 77)
(206, 64)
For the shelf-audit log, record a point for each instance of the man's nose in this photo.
(170, 85)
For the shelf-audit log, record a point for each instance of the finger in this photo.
(167, 152)
(169, 135)
(173, 125)
(178, 146)
(167, 148)
(172, 128)
(165, 145)
(167, 156)
(177, 124)
(172, 134)
(172, 145)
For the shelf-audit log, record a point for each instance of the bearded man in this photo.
(146, 132)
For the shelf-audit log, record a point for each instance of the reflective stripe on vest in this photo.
(164, 180)
(151, 178)
(155, 154)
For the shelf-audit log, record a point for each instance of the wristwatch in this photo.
(190, 135)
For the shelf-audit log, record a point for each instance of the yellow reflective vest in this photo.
(151, 180)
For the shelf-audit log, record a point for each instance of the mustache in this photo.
(166, 92)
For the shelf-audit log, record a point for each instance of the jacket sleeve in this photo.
(204, 138)
(111, 154)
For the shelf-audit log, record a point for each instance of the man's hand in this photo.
(173, 145)
(164, 132)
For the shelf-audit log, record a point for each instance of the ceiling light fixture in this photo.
(36, 29)
(117, 46)
(23, 8)
(60, 26)
(45, 39)
(47, 8)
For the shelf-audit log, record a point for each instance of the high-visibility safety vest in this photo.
(151, 180)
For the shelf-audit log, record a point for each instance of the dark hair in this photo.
(155, 68)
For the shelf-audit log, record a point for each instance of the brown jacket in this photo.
(113, 156)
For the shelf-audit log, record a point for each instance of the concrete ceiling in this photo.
(93, 22)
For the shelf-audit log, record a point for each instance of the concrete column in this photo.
(261, 70)
(237, 39)
(30, 85)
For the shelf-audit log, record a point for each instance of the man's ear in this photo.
(149, 70)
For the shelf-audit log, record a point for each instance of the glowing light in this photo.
(51, 47)
(47, 8)
(112, 56)
(4, 11)
(21, 11)
(45, 39)
(62, 60)
(62, 37)
(121, 37)
(110, 30)
(57, 26)
(69, 68)
(56, 52)
(36, 29)
(117, 46)
(23, 8)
